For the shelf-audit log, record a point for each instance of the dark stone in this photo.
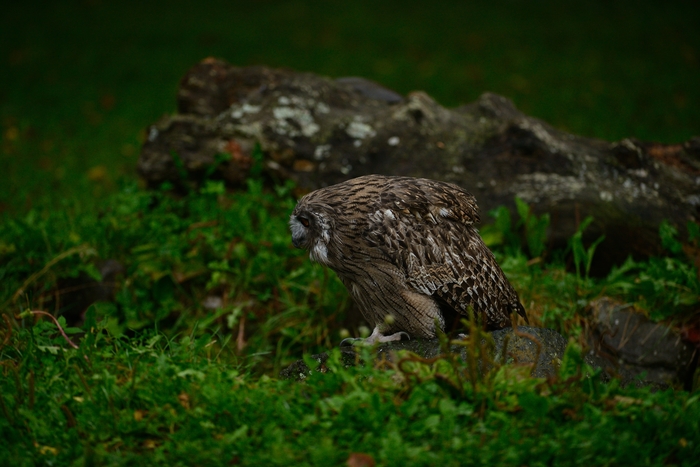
(524, 346)
(318, 131)
(624, 345)
(74, 295)
(638, 350)
(299, 371)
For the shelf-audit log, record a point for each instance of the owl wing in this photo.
(426, 229)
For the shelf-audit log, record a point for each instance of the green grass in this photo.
(175, 254)
(166, 375)
(160, 401)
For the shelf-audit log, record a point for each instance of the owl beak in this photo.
(296, 242)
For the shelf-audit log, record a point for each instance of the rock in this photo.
(371, 90)
(74, 295)
(638, 350)
(319, 131)
(299, 370)
(525, 346)
(624, 344)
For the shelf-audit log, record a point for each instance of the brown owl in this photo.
(408, 253)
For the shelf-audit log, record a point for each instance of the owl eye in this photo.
(304, 221)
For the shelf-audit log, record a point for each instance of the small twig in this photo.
(8, 334)
(31, 389)
(644, 341)
(5, 411)
(199, 225)
(18, 385)
(504, 353)
(82, 380)
(626, 337)
(70, 419)
(55, 321)
(240, 340)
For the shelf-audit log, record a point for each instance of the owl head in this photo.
(312, 225)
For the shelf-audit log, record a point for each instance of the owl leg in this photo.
(375, 337)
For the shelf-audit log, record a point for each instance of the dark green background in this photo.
(79, 81)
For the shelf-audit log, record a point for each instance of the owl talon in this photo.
(375, 337)
(397, 336)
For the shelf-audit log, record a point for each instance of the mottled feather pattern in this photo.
(405, 247)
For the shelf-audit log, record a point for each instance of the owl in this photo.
(408, 253)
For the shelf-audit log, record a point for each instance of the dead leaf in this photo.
(44, 450)
(107, 101)
(184, 400)
(150, 444)
(301, 165)
(360, 459)
(97, 173)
